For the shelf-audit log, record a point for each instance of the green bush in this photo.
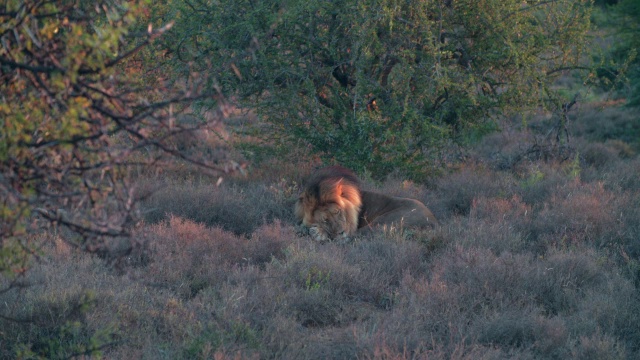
(378, 85)
(629, 44)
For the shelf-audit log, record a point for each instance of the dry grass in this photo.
(535, 261)
(239, 209)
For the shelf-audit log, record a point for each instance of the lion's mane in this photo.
(331, 185)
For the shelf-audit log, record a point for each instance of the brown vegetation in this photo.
(146, 255)
(537, 260)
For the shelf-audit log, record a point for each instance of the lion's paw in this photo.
(318, 235)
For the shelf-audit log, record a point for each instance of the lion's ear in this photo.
(338, 189)
(338, 192)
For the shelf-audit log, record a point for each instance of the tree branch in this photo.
(36, 69)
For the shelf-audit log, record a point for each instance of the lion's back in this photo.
(379, 210)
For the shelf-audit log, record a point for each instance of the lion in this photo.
(333, 207)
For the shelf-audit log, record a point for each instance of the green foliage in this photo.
(315, 279)
(533, 179)
(75, 118)
(629, 43)
(212, 338)
(382, 84)
(58, 94)
(13, 257)
(59, 330)
(574, 168)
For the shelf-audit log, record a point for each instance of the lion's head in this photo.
(330, 204)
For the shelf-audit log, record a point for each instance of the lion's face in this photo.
(329, 222)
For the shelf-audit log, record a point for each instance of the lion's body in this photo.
(383, 210)
(332, 206)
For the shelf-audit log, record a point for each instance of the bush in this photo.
(240, 210)
(575, 214)
(459, 189)
(497, 224)
(54, 329)
(181, 249)
(538, 182)
(77, 121)
(391, 102)
(600, 155)
(610, 123)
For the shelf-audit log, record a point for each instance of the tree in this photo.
(381, 84)
(76, 117)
